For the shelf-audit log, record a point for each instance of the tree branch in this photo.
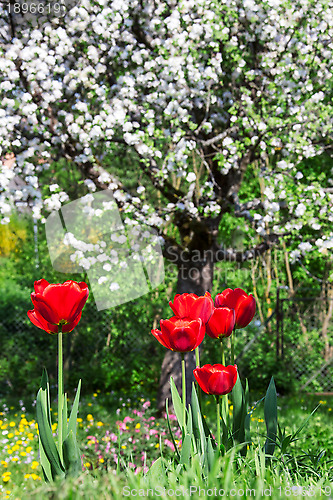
(250, 254)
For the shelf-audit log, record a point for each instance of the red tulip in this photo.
(216, 379)
(189, 305)
(244, 305)
(221, 323)
(57, 304)
(180, 335)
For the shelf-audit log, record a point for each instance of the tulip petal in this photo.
(182, 304)
(201, 334)
(44, 309)
(163, 339)
(222, 379)
(182, 339)
(81, 300)
(221, 323)
(40, 322)
(202, 308)
(202, 376)
(40, 286)
(246, 311)
(230, 298)
(70, 326)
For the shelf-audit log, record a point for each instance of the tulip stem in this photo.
(222, 352)
(197, 362)
(232, 349)
(197, 357)
(184, 388)
(218, 417)
(60, 391)
(225, 406)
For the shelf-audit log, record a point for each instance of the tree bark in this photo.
(194, 276)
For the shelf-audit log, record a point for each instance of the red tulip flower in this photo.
(180, 334)
(189, 305)
(216, 379)
(221, 323)
(243, 304)
(57, 304)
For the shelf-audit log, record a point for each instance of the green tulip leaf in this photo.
(238, 412)
(46, 392)
(72, 456)
(64, 416)
(156, 473)
(46, 467)
(189, 426)
(186, 450)
(74, 412)
(169, 427)
(270, 413)
(177, 403)
(198, 428)
(210, 454)
(46, 437)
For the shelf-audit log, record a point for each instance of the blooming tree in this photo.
(199, 92)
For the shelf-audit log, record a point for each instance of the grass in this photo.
(120, 439)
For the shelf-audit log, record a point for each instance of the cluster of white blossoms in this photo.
(191, 89)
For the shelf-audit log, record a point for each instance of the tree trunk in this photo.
(194, 276)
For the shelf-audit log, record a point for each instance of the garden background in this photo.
(210, 124)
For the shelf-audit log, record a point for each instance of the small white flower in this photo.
(114, 286)
(191, 177)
